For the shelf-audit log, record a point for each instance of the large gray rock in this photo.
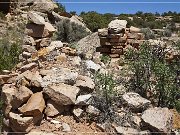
(58, 75)
(18, 123)
(92, 66)
(62, 94)
(116, 26)
(158, 120)
(34, 106)
(35, 18)
(135, 101)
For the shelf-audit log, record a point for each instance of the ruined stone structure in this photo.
(113, 42)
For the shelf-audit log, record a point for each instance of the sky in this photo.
(121, 6)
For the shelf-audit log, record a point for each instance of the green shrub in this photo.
(105, 85)
(10, 48)
(105, 59)
(167, 33)
(154, 74)
(70, 31)
(149, 34)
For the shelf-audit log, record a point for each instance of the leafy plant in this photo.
(105, 91)
(155, 75)
(10, 48)
(149, 34)
(105, 59)
(70, 31)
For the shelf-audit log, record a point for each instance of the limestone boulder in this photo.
(116, 26)
(135, 101)
(133, 29)
(83, 99)
(34, 106)
(35, 18)
(158, 120)
(39, 31)
(56, 44)
(35, 79)
(22, 94)
(29, 66)
(53, 109)
(43, 6)
(59, 75)
(103, 32)
(92, 66)
(62, 94)
(19, 123)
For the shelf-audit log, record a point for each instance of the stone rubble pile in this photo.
(48, 82)
(116, 38)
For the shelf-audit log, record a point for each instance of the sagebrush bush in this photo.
(10, 48)
(167, 33)
(105, 94)
(154, 76)
(105, 58)
(149, 34)
(70, 31)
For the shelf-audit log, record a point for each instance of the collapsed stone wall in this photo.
(116, 38)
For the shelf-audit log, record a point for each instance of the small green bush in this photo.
(10, 48)
(167, 33)
(149, 34)
(70, 31)
(105, 85)
(105, 59)
(154, 74)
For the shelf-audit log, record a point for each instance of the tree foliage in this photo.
(96, 21)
